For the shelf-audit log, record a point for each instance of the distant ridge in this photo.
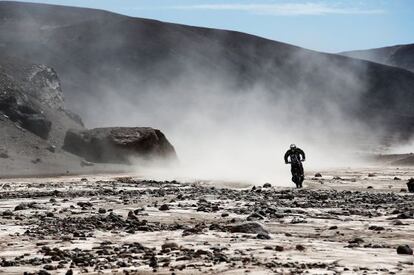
(401, 56)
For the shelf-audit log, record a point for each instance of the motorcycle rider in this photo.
(295, 156)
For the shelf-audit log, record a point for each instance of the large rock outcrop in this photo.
(36, 80)
(31, 96)
(18, 108)
(119, 144)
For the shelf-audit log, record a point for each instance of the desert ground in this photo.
(348, 221)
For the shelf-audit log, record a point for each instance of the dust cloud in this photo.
(228, 118)
(224, 133)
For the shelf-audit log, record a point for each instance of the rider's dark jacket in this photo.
(295, 155)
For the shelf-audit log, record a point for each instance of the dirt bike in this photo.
(297, 171)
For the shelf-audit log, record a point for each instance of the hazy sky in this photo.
(331, 26)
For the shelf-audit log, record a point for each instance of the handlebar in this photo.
(289, 162)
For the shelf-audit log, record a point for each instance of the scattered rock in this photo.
(398, 222)
(405, 215)
(7, 213)
(267, 185)
(279, 248)
(263, 236)
(249, 227)
(404, 249)
(356, 240)
(300, 247)
(318, 175)
(164, 207)
(170, 245)
(27, 205)
(376, 228)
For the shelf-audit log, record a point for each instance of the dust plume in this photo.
(230, 103)
(225, 132)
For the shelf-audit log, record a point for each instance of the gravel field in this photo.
(347, 221)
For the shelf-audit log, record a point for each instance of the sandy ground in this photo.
(349, 221)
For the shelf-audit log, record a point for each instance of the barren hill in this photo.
(103, 57)
(401, 56)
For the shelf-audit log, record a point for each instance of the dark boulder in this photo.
(164, 207)
(119, 144)
(404, 249)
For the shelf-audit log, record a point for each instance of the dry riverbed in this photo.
(345, 222)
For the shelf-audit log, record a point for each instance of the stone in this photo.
(279, 248)
(248, 227)
(300, 247)
(164, 207)
(170, 245)
(404, 249)
(119, 144)
(263, 236)
(356, 240)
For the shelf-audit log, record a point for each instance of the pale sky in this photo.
(330, 26)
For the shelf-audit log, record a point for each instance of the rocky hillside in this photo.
(104, 58)
(401, 56)
(32, 98)
(34, 125)
(33, 120)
